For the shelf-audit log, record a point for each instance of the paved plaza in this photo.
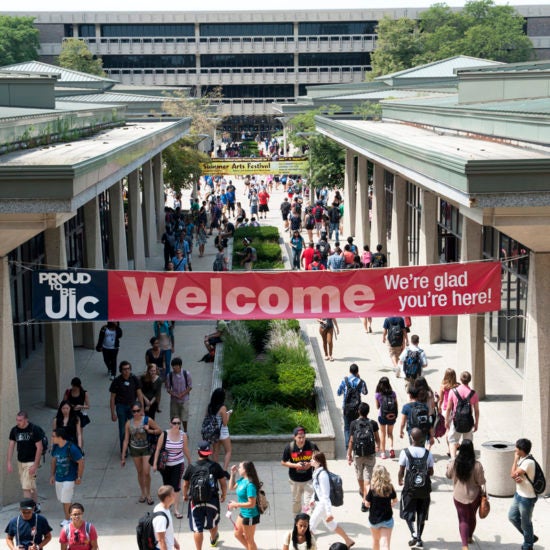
(110, 493)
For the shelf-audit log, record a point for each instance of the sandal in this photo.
(179, 516)
(150, 501)
(142, 499)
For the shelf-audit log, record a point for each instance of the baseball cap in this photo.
(204, 448)
(298, 429)
(27, 504)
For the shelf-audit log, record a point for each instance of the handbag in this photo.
(484, 505)
(163, 455)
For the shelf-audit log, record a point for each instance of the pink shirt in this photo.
(463, 391)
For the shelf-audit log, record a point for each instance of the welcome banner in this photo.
(444, 289)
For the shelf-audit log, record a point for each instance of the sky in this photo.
(224, 5)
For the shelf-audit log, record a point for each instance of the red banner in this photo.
(443, 289)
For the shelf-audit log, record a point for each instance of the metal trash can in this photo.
(497, 458)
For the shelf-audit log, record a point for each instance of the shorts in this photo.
(64, 491)
(388, 524)
(395, 352)
(141, 451)
(264, 208)
(364, 466)
(171, 475)
(214, 340)
(250, 521)
(181, 410)
(454, 437)
(224, 433)
(204, 516)
(386, 422)
(28, 481)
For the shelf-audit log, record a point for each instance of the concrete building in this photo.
(67, 171)
(461, 176)
(256, 57)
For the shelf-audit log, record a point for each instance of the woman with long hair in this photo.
(154, 355)
(326, 330)
(136, 442)
(218, 408)
(67, 418)
(386, 403)
(448, 384)
(247, 487)
(380, 499)
(78, 399)
(300, 538)
(322, 510)
(175, 442)
(468, 480)
(426, 396)
(151, 386)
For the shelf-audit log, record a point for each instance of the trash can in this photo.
(497, 458)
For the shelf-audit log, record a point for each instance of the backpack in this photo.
(202, 484)
(463, 419)
(419, 417)
(352, 400)
(210, 429)
(336, 489)
(388, 406)
(417, 480)
(314, 266)
(310, 222)
(67, 530)
(253, 254)
(363, 438)
(218, 264)
(323, 248)
(378, 259)
(43, 438)
(145, 532)
(318, 213)
(395, 335)
(412, 365)
(261, 500)
(539, 481)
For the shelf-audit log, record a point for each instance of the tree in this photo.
(182, 164)
(76, 55)
(18, 40)
(480, 29)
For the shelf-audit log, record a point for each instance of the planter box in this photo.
(270, 447)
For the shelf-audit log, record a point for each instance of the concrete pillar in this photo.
(398, 251)
(379, 232)
(470, 339)
(119, 253)
(94, 260)
(149, 210)
(10, 490)
(58, 337)
(158, 187)
(135, 221)
(362, 221)
(427, 254)
(349, 195)
(536, 379)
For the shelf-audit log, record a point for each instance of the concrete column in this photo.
(379, 230)
(349, 195)
(119, 252)
(470, 339)
(399, 228)
(135, 220)
(94, 260)
(362, 221)
(149, 210)
(427, 254)
(536, 380)
(10, 490)
(58, 337)
(158, 189)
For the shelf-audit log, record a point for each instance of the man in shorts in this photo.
(25, 436)
(179, 386)
(66, 469)
(204, 515)
(210, 340)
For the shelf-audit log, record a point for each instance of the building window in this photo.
(413, 218)
(449, 232)
(86, 31)
(388, 190)
(333, 59)
(105, 225)
(147, 61)
(247, 60)
(279, 91)
(74, 240)
(246, 29)
(114, 31)
(337, 28)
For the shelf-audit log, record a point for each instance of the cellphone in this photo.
(229, 411)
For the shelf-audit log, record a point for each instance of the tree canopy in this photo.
(76, 55)
(182, 164)
(18, 40)
(480, 29)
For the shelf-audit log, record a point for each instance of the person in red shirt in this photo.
(263, 199)
(316, 264)
(307, 256)
(348, 255)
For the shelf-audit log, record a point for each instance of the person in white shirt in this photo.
(412, 347)
(163, 524)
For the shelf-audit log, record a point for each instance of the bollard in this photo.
(497, 458)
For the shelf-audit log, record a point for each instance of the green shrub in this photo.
(296, 385)
(263, 233)
(262, 391)
(258, 330)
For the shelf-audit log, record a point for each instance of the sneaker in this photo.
(214, 542)
(383, 456)
(419, 544)
(363, 507)
(535, 538)
(392, 453)
(412, 542)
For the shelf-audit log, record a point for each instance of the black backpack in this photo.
(388, 406)
(539, 481)
(202, 484)
(210, 429)
(395, 335)
(219, 264)
(417, 480)
(412, 365)
(323, 248)
(378, 259)
(419, 417)
(364, 443)
(145, 533)
(463, 418)
(318, 213)
(336, 489)
(352, 400)
(43, 438)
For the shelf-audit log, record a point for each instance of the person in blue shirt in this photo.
(355, 381)
(29, 530)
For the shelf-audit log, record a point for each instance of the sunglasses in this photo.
(76, 536)
(176, 423)
(135, 411)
